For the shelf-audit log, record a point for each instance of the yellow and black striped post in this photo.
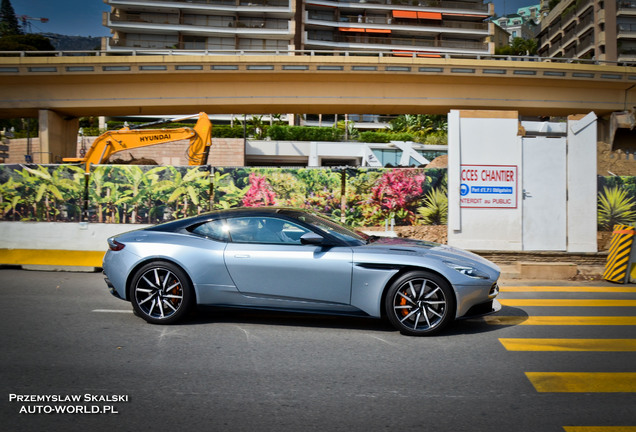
(617, 267)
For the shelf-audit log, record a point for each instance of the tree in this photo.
(29, 42)
(12, 38)
(8, 21)
(519, 46)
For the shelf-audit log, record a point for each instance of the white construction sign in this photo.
(489, 186)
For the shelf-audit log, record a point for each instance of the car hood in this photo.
(406, 246)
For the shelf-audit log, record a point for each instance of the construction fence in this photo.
(139, 194)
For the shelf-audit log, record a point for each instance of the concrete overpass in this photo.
(59, 89)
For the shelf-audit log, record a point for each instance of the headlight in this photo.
(467, 270)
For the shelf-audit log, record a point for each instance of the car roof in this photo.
(179, 224)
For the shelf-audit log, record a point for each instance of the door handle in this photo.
(241, 256)
(526, 194)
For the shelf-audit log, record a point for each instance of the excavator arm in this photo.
(126, 139)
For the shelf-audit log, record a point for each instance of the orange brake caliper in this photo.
(404, 312)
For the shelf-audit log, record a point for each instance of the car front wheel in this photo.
(420, 303)
(161, 293)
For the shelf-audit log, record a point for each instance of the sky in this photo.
(66, 17)
(84, 17)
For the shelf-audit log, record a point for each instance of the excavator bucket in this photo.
(201, 142)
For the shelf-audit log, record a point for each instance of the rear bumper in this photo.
(111, 287)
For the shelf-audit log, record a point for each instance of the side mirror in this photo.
(311, 238)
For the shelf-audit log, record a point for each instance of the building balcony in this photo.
(264, 28)
(570, 51)
(390, 26)
(626, 5)
(569, 34)
(406, 4)
(626, 31)
(583, 5)
(568, 16)
(201, 4)
(397, 46)
(275, 8)
(585, 22)
(554, 29)
(585, 45)
(554, 49)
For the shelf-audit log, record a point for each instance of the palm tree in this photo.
(188, 188)
(435, 212)
(615, 207)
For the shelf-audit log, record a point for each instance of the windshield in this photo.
(342, 232)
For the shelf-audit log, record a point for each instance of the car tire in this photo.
(161, 293)
(420, 303)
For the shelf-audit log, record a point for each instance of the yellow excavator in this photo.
(128, 138)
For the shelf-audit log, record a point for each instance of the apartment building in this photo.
(590, 29)
(523, 24)
(398, 27)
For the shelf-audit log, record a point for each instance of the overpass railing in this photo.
(311, 53)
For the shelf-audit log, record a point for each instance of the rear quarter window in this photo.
(214, 229)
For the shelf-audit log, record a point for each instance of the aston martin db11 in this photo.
(293, 260)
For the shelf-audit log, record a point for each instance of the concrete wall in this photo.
(58, 244)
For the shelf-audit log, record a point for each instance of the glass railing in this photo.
(626, 4)
(265, 3)
(388, 20)
(627, 28)
(401, 43)
(474, 5)
(271, 24)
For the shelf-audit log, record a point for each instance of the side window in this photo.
(214, 229)
(265, 230)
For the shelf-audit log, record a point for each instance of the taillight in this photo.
(114, 245)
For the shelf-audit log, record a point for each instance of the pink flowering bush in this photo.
(396, 194)
(260, 193)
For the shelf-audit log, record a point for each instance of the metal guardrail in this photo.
(310, 53)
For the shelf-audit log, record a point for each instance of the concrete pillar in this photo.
(58, 136)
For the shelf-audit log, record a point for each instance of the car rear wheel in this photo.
(161, 293)
(420, 303)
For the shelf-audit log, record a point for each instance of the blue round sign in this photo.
(464, 189)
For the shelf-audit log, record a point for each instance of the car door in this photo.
(280, 267)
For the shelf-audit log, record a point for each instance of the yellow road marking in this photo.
(560, 320)
(51, 257)
(529, 344)
(583, 382)
(613, 289)
(599, 428)
(567, 302)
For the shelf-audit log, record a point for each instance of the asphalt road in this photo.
(64, 336)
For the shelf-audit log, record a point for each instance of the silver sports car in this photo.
(293, 260)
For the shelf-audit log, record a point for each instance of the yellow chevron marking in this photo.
(567, 302)
(568, 344)
(609, 289)
(559, 320)
(583, 382)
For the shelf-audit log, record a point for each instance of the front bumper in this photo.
(487, 308)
